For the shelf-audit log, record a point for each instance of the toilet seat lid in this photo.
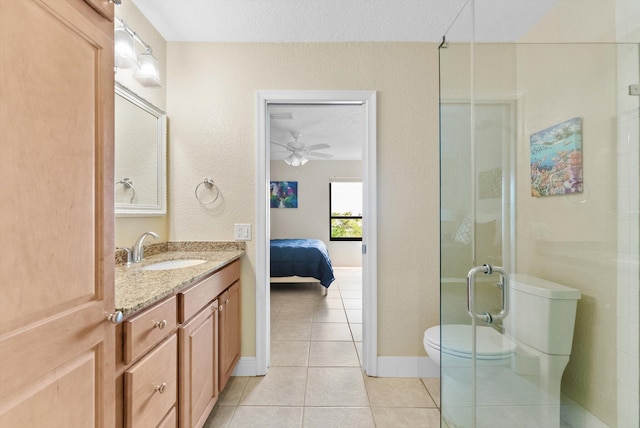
(489, 343)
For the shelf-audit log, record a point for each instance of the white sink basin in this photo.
(173, 264)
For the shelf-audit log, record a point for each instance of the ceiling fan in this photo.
(300, 151)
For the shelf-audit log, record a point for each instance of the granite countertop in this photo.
(137, 289)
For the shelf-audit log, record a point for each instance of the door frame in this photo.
(369, 227)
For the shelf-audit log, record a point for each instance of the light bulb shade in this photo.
(124, 50)
(147, 73)
(295, 159)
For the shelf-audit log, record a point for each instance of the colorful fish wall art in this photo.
(556, 159)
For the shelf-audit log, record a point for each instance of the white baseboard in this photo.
(407, 367)
(247, 366)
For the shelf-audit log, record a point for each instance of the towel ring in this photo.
(209, 184)
(128, 184)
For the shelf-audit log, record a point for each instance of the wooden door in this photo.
(56, 215)
(229, 332)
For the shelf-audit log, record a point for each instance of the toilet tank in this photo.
(542, 313)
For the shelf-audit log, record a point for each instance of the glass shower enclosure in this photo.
(539, 163)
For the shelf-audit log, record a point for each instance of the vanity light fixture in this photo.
(125, 52)
(146, 73)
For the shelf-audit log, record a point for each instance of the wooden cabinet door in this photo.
(56, 215)
(229, 332)
(199, 366)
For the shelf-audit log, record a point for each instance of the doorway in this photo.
(267, 100)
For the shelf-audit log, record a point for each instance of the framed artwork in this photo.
(556, 159)
(284, 194)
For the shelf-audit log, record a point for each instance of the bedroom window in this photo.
(345, 207)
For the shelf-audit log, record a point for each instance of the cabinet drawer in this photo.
(191, 301)
(151, 386)
(142, 332)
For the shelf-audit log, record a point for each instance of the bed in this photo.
(300, 260)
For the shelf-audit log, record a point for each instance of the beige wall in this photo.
(572, 239)
(628, 30)
(211, 98)
(311, 218)
(576, 21)
(129, 228)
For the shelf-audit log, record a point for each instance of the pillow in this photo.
(463, 234)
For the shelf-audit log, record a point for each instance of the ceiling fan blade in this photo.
(281, 145)
(317, 147)
(319, 155)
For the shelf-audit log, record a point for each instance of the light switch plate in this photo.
(242, 232)
(634, 89)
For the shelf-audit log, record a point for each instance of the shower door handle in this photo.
(504, 285)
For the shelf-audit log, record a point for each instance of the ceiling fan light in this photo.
(295, 159)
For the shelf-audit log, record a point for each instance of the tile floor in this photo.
(315, 378)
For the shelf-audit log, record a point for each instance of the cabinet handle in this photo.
(220, 308)
(161, 388)
(116, 317)
(160, 325)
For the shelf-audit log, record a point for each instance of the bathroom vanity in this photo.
(179, 341)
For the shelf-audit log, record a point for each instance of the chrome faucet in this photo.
(129, 255)
(137, 252)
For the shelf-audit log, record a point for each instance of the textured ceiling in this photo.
(340, 20)
(342, 127)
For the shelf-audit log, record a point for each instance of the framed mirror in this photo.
(140, 156)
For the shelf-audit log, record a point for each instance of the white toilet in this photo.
(537, 338)
(493, 348)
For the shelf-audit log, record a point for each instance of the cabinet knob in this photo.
(116, 317)
(160, 325)
(220, 308)
(161, 388)
(226, 302)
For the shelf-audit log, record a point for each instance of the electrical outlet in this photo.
(242, 232)
(634, 89)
